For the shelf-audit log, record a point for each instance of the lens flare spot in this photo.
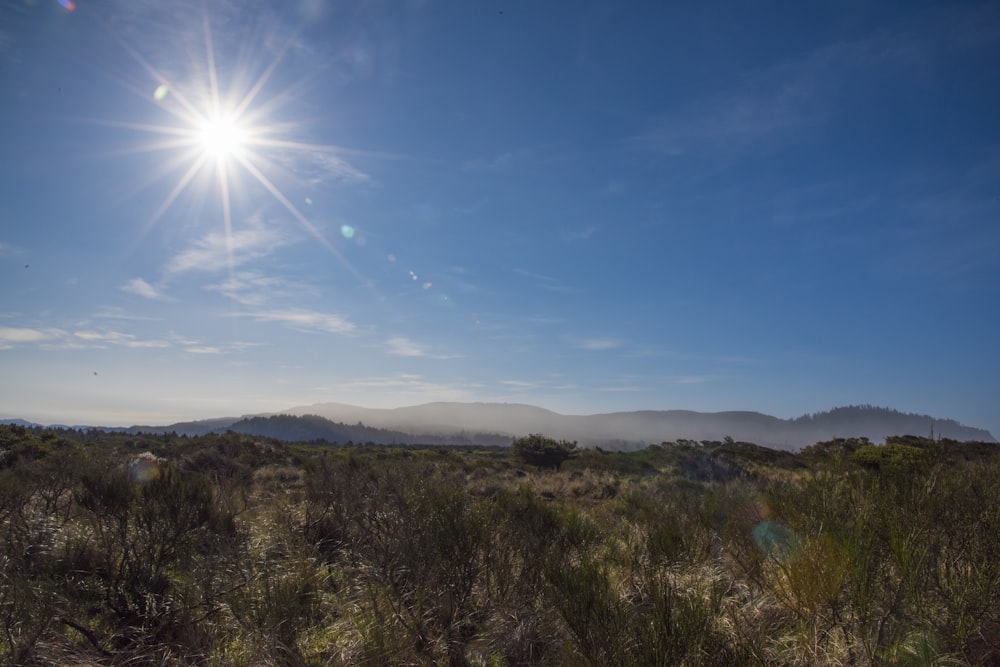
(775, 540)
(428, 285)
(413, 276)
(68, 4)
(391, 258)
(758, 510)
(161, 92)
(347, 231)
(145, 467)
(309, 201)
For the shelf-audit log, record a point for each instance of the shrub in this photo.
(537, 450)
(892, 456)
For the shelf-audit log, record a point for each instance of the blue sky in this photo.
(217, 208)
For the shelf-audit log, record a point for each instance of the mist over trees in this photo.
(497, 424)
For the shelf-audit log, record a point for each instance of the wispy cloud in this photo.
(543, 321)
(195, 346)
(227, 348)
(10, 336)
(308, 321)
(615, 188)
(522, 384)
(216, 251)
(401, 346)
(255, 289)
(117, 313)
(598, 344)
(777, 102)
(140, 287)
(537, 387)
(735, 119)
(319, 165)
(545, 282)
(8, 250)
(581, 234)
(692, 379)
(408, 388)
(204, 349)
(497, 162)
(110, 337)
(949, 235)
(103, 338)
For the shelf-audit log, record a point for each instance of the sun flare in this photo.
(222, 137)
(231, 133)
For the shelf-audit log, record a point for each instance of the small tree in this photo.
(543, 452)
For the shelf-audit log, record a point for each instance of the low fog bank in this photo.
(632, 429)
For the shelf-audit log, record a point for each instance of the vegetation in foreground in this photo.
(236, 550)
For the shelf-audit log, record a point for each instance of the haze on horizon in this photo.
(221, 208)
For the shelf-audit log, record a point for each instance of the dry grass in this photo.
(439, 557)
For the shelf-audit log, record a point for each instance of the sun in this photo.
(222, 137)
(228, 132)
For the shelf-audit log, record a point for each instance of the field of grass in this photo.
(234, 550)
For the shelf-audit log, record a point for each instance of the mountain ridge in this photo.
(648, 426)
(497, 423)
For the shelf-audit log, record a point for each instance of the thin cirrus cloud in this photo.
(140, 287)
(7, 250)
(599, 344)
(58, 339)
(533, 387)
(54, 338)
(735, 119)
(255, 289)
(217, 349)
(622, 390)
(195, 346)
(118, 313)
(320, 165)
(110, 337)
(522, 384)
(782, 99)
(306, 321)
(496, 162)
(692, 379)
(581, 234)
(401, 346)
(11, 336)
(216, 251)
(409, 387)
(547, 283)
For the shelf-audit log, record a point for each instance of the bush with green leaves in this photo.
(537, 450)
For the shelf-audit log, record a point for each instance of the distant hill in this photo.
(498, 423)
(633, 429)
(311, 427)
(19, 422)
(190, 429)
